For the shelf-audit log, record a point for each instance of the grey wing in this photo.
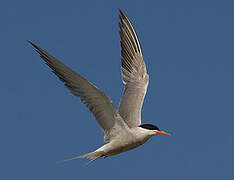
(134, 74)
(97, 102)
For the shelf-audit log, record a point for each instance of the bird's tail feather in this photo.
(91, 156)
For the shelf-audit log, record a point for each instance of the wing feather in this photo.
(97, 102)
(134, 73)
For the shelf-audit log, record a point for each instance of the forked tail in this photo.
(91, 156)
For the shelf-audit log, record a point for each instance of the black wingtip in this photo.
(34, 45)
(30, 42)
(122, 14)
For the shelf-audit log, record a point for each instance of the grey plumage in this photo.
(98, 103)
(134, 74)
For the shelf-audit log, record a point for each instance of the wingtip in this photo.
(121, 12)
(34, 45)
(30, 42)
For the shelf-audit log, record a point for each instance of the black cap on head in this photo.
(149, 126)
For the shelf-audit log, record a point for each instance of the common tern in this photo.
(122, 127)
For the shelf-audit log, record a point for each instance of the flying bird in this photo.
(122, 127)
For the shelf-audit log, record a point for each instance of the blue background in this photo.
(189, 52)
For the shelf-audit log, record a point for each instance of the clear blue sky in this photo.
(189, 53)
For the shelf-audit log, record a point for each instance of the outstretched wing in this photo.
(97, 102)
(134, 74)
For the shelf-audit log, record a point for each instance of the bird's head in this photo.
(153, 130)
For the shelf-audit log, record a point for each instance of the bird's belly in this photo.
(119, 146)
